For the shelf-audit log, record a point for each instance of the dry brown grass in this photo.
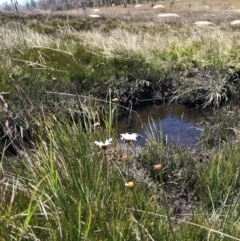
(146, 11)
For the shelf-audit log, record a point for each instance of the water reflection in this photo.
(179, 124)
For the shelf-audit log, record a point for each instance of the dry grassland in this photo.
(185, 8)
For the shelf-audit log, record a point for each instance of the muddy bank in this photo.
(197, 88)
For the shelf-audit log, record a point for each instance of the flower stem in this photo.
(167, 207)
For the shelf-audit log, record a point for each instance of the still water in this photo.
(178, 124)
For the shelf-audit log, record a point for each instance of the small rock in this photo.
(138, 6)
(96, 10)
(167, 15)
(94, 16)
(158, 6)
(204, 23)
(235, 23)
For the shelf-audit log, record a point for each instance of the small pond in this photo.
(178, 124)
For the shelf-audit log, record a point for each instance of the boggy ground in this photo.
(176, 71)
(132, 78)
(181, 71)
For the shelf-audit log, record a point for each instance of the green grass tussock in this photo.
(67, 188)
(222, 178)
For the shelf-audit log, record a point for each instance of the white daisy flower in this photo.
(129, 137)
(105, 144)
